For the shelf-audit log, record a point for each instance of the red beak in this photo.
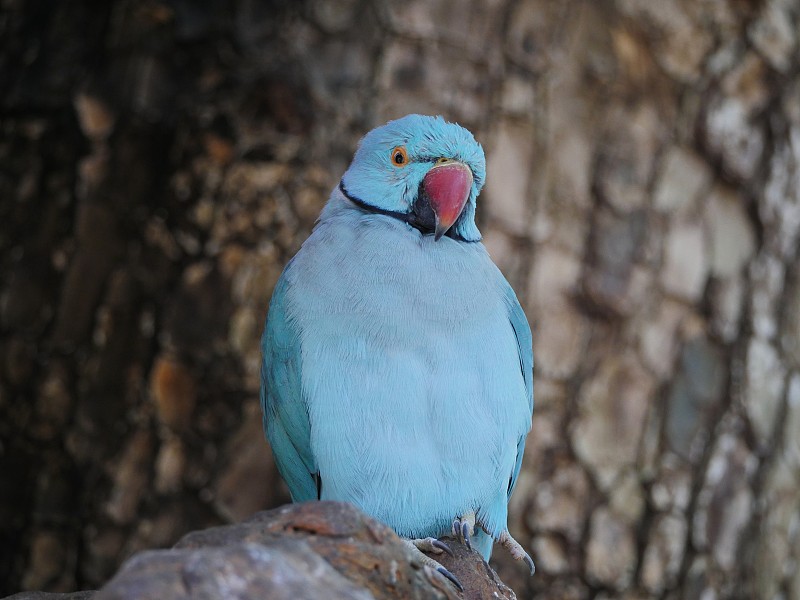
(447, 187)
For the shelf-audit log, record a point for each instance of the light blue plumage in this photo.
(397, 371)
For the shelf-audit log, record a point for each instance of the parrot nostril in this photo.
(442, 160)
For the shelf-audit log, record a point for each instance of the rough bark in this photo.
(300, 551)
(160, 162)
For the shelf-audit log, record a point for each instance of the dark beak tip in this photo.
(439, 231)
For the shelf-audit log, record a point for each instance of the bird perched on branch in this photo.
(397, 361)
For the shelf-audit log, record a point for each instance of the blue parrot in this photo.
(397, 363)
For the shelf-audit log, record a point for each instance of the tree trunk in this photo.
(160, 161)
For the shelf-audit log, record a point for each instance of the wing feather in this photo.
(285, 411)
(522, 331)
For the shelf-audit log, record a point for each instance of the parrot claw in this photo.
(516, 550)
(442, 547)
(463, 528)
(465, 533)
(432, 545)
(451, 578)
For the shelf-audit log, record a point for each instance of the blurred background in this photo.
(160, 161)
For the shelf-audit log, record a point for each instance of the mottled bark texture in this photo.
(160, 161)
(303, 551)
(298, 552)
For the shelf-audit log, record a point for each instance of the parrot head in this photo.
(422, 170)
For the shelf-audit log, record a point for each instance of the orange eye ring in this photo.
(399, 156)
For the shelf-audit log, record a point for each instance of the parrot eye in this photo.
(399, 156)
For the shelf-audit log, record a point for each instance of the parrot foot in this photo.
(464, 527)
(431, 545)
(516, 550)
(437, 547)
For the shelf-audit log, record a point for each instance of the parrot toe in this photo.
(516, 550)
(432, 545)
(464, 527)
